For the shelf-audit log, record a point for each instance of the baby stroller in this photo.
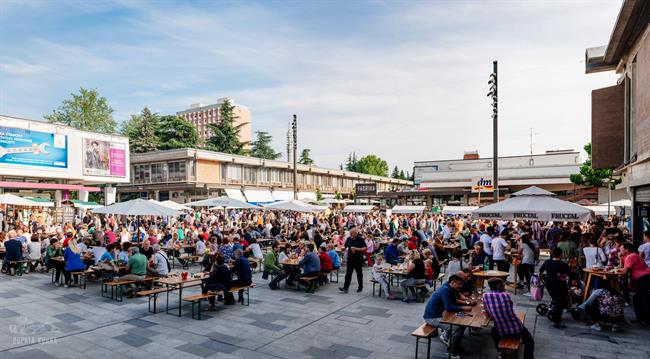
(573, 300)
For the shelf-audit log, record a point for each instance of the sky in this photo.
(405, 80)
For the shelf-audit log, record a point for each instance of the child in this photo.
(380, 277)
(370, 248)
(428, 271)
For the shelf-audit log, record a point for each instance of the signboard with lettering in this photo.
(366, 189)
(482, 185)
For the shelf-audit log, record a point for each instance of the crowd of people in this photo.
(229, 242)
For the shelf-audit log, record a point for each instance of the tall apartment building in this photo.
(201, 115)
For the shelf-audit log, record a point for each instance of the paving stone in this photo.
(7, 295)
(68, 318)
(225, 338)
(295, 301)
(133, 340)
(196, 350)
(8, 313)
(219, 346)
(33, 354)
(140, 323)
(266, 325)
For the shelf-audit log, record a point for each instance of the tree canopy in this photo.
(305, 158)
(87, 111)
(589, 176)
(225, 136)
(372, 165)
(140, 130)
(176, 132)
(262, 147)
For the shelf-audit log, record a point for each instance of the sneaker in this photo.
(66, 286)
(596, 327)
(57, 284)
(454, 356)
(405, 300)
(527, 294)
(616, 328)
(443, 337)
(343, 290)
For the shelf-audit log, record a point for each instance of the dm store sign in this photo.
(482, 184)
(23, 147)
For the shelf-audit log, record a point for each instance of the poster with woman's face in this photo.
(96, 157)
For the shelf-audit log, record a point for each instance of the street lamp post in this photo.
(294, 129)
(495, 135)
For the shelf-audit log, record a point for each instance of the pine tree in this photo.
(176, 132)
(304, 157)
(141, 131)
(395, 173)
(401, 175)
(226, 132)
(262, 147)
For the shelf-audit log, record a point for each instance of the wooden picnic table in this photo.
(393, 272)
(476, 318)
(175, 281)
(515, 260)
(291, 262)
(481, 276)
(610, 275)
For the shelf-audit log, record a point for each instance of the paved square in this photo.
(50, 322)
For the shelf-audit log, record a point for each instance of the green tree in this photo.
(141, 131)
(319, 195)
(304, 157)
(395, 173)
(262, 147)
(176, 132)
(402, 175)
(372, 165)
(87, 111)
(590, 176)
(338, 195)
(351, 163)
(225, 136)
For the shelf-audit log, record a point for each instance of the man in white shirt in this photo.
(644, 249)
(160, 261)
(486, 239)
(499, 246)
(446, 232)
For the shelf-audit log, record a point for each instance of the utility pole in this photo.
(289, 141)
(294, 129)
(495, 135)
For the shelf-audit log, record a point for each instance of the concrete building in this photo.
(201, 115)
(620, 120)
(184, 175)
(460, 180)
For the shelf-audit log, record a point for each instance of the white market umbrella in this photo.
(172, 205)
(408, 209)
(294, 206)
(534, 204)
(619, 203)
(223, 201)
(458, 210)
(598, 210)
(137, 207)
(13, 200)
(358, 209)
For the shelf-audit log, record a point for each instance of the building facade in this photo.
(620, 122)
(462, 181)
(201, 115)
(184, 175)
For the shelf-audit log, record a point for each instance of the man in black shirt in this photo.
(356, 247)
(557, 273)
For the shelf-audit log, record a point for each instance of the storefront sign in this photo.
(24, 147)
(366, 189)
(482, 184)
(103, 158)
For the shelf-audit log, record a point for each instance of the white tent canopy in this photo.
(333, 201)
(282, 195)
(408, 209)
(600, 210)
(307, 195)
(294, 206)
(172, 205)
(13, 200)
(456, 210)
(225, 202)
(358, 209)
(258, 196)
(137, 207)
(532, 204)
(619, 203)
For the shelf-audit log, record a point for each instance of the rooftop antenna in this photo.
(531, 140)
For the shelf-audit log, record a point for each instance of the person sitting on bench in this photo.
(219, 279)
(137, 269)
(242, 270)
(498, 305)
(14, 252)
(604, 305)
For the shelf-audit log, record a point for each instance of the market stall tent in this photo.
(223, 201)
(458, 210)
(294, 206)
(408, 209)
(358, 209)
(137, 207)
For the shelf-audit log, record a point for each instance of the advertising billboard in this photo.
(482, 184)
(104, 158)
(24, 147)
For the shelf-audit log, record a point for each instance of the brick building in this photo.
(620, 128)
(201, 115)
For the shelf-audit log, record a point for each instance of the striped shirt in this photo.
(499, 306)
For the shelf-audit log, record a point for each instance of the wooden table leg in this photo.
(584, 297)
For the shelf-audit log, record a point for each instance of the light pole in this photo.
(609, 195)
(495, 134)
(294, 129)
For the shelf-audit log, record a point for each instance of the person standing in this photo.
(632, 263)
(355, 247)
(486, 239)
(499, 248)
(557, 273)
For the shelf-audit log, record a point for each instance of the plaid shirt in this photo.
(499, 306)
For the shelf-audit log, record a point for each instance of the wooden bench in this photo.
(311, 283)
(153, 295)
(245, 290)
(117, 291)
(197, 299)
(189, 259)
(440, 279)
(374, 283)
(512, 343)
(255, 263)
(82, 278)
(21, 266)
(421, 290)
(332, 272)
(424, 331)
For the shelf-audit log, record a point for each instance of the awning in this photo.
(601, 210)
(455, 210)
(408, 209)
(172, 205)
(137, 207)
(85, 205)
(235, 194)
(282, 195)
(294, 206)
(307, 195)
(358, 209)
(223, 202)
(11, 199)
(258, 196)
(619, 203)
(42, 202)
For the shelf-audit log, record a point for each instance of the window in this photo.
(233, 173)
(158, 172)
(141, 173)
(263, 175)
(249, 174)
(177, 171)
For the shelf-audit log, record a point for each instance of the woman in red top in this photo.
(325, 264)
(632, 263)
